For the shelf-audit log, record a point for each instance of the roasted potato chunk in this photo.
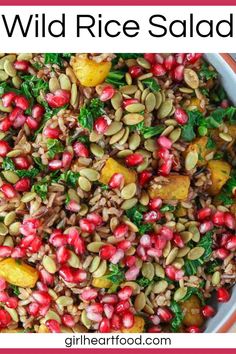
(138, 326)
(175, 187)
(18, 273)
(220, 173)
(111, 167)
(101, 283)
(200, 146)
(192, 312)
(89, 72)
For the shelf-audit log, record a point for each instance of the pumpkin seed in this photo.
(128, 78)
(191, 160)
(125, 137)
(27, 197)
(158, 100)
(160, 287)
(183, 251)
(118, 114)
(49, 264)
(74, 260)
(196, 253)
(70, 73)
(191, 78)
(124, 153)
(14, 153)
(167, 249)
(65, 83)
(128, 204)
(10, 57)
(101, 269)
(225, 137)
(91, 174)
(8, 241)
(143, 165)
(145, 76)
(148, 270)
(180, 293)
(144, 198)
(134, 141)
(196, 234)
(95, 246)
(186, 236)
(185, 90)
(94, 137)
(128, 191)
(84, 184)
(3, 75)
(9, 68)
(3, 229)
(132, 118)
(74, 100)
(73, 195)
(14, 229)
(84, 319)
(135, 108)
(178, 263)
(24, 56)
(52, 315)
(83, 209)
(135, 286)
(94, 264)
(150, 145)
(54, 84)
(172, 255)
(159, 271)
(5, 109)
(10, 176)
(175, 135)
(116, 137)
(129, 89)
(97, 150)
(117, 100)
(64, 301)
(144, 63)
(140, 302)
(9, 218)
(216, 277)
(165, 109)
(150, 102)
(148, 309)
(144, 94)
(113, 128)
(12, 313)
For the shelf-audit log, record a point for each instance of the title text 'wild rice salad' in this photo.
(117, 192)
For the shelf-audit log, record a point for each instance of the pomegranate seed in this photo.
(159, 58)
(165, 168)
(167, 233)
(32, 123)
(58, 99)
(3, 296)
(144, 177)
(55, 165)
(79, 245)
(101, 124)
(208, 311)
(141, 252)
(105, 326)
(145, 241)
(129, 101)
(21, 65)
(108, 310)
(37, 111)
(57, 239)
(165, 314)
(29, 227)
(89, 294)
(203, 213)
(124, 245)
(180, 57)
(155, 204)
(46, 278)
(218, 218)
(93, 316)
(116, 322)
(128, 319)
(33, 309)
(149, 57)
(178, 73)
(116, 181)
(16, 112)
(129, 261)
(18, 252)
(66, 273)
(80, 149)
(173, 273)
(158, 70)
(224, 103)
(95, 219)
(223, 295)
(8, 98)
(79, 276)
(86, 226)
(163, 154)
(62, 254)
(19, 121)
(21, 162)
(107, 251)
(12, 302)
(178, 241)
(43, 310)
(73, 206)
(35, 245)
(135, 71)
(155, 319)
(125, 293)
(5, 125)
(95, 307)
(3, 284)
(117, 256)
(5, 318)
(221, 253)
(109, 299)
(53, 326)
(121, 231)
(152, 216)
(164, 142)
(52, 133)
(22, 185)
(205, 227)
(4, 148)
(42, 297)
(154, 329)
(193, 329)
(231, 243)
(134, 159)
(68, 320)
(225, 238)
(193, 57)
(8, 191)
(181, 116)
(122, 306)
(107, 93)
(21, 102)
(160, 242)
(169, 62)
(132, 273)
(230, 221)
(66, 159)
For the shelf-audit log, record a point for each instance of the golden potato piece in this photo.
(138, 326)
(101, 283)
(195, 103)
(89, 72)
(8, 330)
(111, 167)
(200, 146)
(175, 187)
(43, 329)
(220, 173)
(192, 312)
(18, 273)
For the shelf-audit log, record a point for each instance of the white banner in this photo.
(118, 29)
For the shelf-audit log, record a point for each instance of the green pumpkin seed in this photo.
(134, 141)
(128, 78)
(91, 174)
(101, 269)
(94, 264)
(117, 137)
(145, 76)
(191, 78)
(150, 145)
(129, 191)
(128, 204)
(175, 135)
(196, 234)
(3, 75)
(97, 150)
(83, 209)
(150, 102)
(117, 100)
(148, 309)
(9, 68)
(165, 109)
(113, 128)
(185, 90)
(144, 63)
(10, 57)
(10, 218)
(191, 160)
(12, 313)
(95, 246)
(132, 284)
(160, 287)
(8, 241)
(65, 83)
(24, 56)
(183, 251)
(118, 114)
(158, 100)
(140, 302)
(3, 229)
(216, 277)
(196, 253)
(74, 100)
(27, 197)
(94, 137)
(167, 249)
(16, 80)
(144, 94)
(52, 315)
(178, 263)
(135, 108)
(54, 84)
(64, 301)
(148, 270)
(133, 118)
(124, 153)
(14, 229)
(186, 236)
(129, 89)
(125, 137)
(84, 184)
(159, 271)
(84, 319)
(71, 75)
(49, 264)
(225, 137)
(172, 255)
(180, 293)
(14, 153)
(10, 176)
(144, 198)
(74, 260)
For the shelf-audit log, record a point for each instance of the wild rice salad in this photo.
(117, 187)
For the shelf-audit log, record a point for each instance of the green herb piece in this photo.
(225, 195)
(8, 164)
(54, 147)
(90, 112)
(210, 143)
(41, 188)
(179, 316)
(126, 56)
(38, 162)
(116, 274)
(56, 58)
(206, 73)
(15, 289)
(188, 133)
(149, 132)
(5, 87)
(70, 178)
(116, 78)
(135, 214)
(143, 282)
(151, 84)
(211, 266)
(167, 207)
(193, 291)
(144, 228)
(31, 87)
(218, 155)
(205, 91)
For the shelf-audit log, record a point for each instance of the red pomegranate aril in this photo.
(73, 206)
(122, 306)
(169, 62)
(178, 241)
(193, 329)
(159, 58)
(208, 311)
(55, 165)
(203, 213)
(125, 293)
(94, 316)
(42, 297)
(62, 254)
(107, 251)
(173, 273)
(127, 319)
(79, 275)
(8, 98)
(121, 231)
(22, 185)
(58, 99)
(180, 57)
(68, 320)
(29, 227)
(231, 243)
(89, 294)
(43, 310)
(104, 326)
(141, 253)
(116, 322)
(118, 256)
(95, 307)
(116, 181)
(21, 162)
(165, 168)
(79, 245)
(206, 226)
(159, 241)
(155, 204)
(144, 177)
(5, 318)
(33, 309)
(8, 191)
(16, 112)
(66, 159)
(66, 273)
(108, 310)
(154, 329)
(32, 123)
(19, 121)
(149, 57)
(223, 295)
(52, 133)
(181, 116)
(134, 159)
(37, 112)
(165, 314)
(129, 261)
(178, 73)
(53, 326)
(164, 142)
(21, 65)
(129, 101)
(163, 154)
(218, 218)
(3, 296)
(221, 253)
(95, 219)
(3, 284)
(86, 226)
(58, 239)
(223, 239)
(132, 273)
(46, 278)
(111, 299)
(193, 57)
(230, 221)
(145, 241)
(12, 302)
(18, 252)
(167, 233)
(35, 245)
(21, 102)
(4, 148)
(152, 216)
(158, 70)
(135, 71)
(5, 125)
(101, 124)
(107, 93)
(80, 149)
